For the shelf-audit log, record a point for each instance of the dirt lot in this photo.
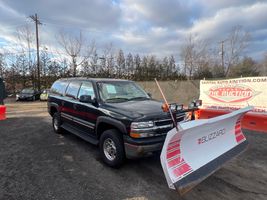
(35, 164)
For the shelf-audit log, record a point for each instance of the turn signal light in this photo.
(135, 135)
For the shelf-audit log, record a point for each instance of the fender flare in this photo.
(119, 125)
(53, 105)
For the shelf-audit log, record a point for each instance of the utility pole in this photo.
(222, 46)
(37, 22)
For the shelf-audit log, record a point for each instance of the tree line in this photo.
(76, 56)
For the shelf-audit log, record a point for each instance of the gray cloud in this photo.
(146, 27)
(176, 13)
(99, 14)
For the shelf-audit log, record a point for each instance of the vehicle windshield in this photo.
(27, 91)
(119, 91)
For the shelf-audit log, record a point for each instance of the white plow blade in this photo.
(200, 148)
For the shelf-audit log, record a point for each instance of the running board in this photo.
(80, 134)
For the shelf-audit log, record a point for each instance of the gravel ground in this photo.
(37, 164)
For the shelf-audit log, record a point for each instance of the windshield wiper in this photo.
(138, 98)
(117, 98)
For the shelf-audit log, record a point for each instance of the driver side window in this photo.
(87, 89)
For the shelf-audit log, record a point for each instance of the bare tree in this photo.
(77, 48)
(262, 65)
(2, 65)
(235, 45)
(120, 63)
(152, 67)
(246, 67)
(165, 68)
(93, 63)
(129, 65)
(137, 66)
(45, 62)
(143, 66)
(25, 43)
(194, 54)
(107, 62)
(172, 66)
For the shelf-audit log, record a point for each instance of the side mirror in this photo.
(86, 99)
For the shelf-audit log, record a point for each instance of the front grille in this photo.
(168, 121)
(163, 122)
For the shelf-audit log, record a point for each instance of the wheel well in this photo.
(103, 127)
(53, 110)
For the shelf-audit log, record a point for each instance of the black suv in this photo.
(116, 114)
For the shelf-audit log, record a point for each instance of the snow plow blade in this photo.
(200, 148)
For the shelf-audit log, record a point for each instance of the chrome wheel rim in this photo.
(109, 149)
(56, 123)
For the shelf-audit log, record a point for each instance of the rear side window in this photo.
(73, 89)
(59, 87)
(87, 89)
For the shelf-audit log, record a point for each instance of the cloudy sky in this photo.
(139, 26)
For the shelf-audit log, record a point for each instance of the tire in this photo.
(111, 143)
(56, 123)
(33, 98)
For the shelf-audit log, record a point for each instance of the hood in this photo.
(141, 110)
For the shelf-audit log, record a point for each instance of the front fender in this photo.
(113, 122)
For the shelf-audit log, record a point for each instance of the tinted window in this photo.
(59, 87)
(87, 89)
(73, 88)
(29, 91)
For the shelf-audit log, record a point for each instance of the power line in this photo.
(14, 53)
(222, 43)
(64, 25)
(13, 26)
(77, 27)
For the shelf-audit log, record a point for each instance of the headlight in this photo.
(140, 125)
(138, 128)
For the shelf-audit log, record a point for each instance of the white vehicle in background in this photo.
(44, 95)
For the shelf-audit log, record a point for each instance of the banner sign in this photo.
(232, 94)
(200, 147)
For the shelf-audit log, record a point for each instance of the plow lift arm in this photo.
(195, 149)
(174, 108)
